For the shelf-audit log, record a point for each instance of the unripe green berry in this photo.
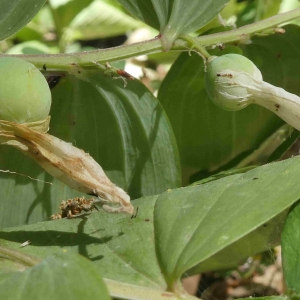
(223, 88)
(24, 92)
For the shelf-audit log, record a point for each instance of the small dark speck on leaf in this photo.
(44, 67)
(255, 178)
(265, 225)
(147, 220)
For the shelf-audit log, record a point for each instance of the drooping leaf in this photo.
(123, 128)
(15, 14)
(291, 250)
(195, 224)
(209, 137)
(174, 17)
(100, 20)
(63, 276)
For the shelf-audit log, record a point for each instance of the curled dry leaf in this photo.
(65, 162)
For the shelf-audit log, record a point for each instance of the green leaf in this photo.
(188, 16)
(124, 129)
(64, 11)
(290, 250)
(174, 17)
(211, 226)
(120, 247)
(261, 239)
(257, 11)
(223, 174)
(196, 223)
(63, 276)
(209, 137)
(15, 14)
(285, 146)
(30, 47)
(100, 20)
(154, 13)
(38, 27)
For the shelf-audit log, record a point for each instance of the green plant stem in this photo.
(54, 62)
(241, 33)
(15, 255)
(89, 58)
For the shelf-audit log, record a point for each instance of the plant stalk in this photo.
(88, 59)
(15, 255)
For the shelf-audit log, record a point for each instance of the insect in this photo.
(74, 207)
(124, 74)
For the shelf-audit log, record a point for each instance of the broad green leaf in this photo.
(100, 20)
(114, 242)
(261, 239)
(124, 249)
(174, 17)
(222, 174)
(188, 16)
(14, 14)
(290, 242)
(209, 137)
(120, 247)
(63, 276)
(154, 13)
(123, 128)
(196, 223)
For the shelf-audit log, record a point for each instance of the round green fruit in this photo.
(24, 92)
(227, 79)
